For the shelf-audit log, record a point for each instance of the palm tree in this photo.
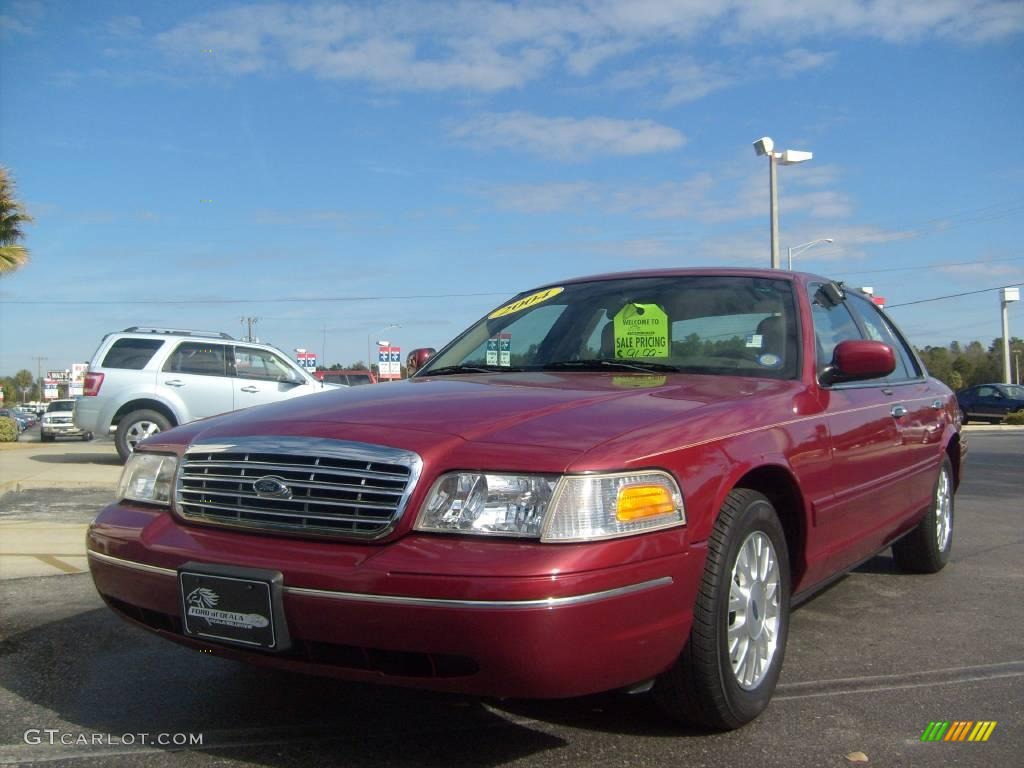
(13, 217)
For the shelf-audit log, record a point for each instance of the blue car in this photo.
(990, 402)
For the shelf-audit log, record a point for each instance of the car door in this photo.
(868, 463)
(918, 406)
(195, 378)
(261, 377)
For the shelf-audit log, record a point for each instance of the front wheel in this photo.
(136, 427)
(728, 670)
(926, 548)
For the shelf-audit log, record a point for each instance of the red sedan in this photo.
(621, 481)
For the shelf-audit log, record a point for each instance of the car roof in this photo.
(774, 274)
(136, 332)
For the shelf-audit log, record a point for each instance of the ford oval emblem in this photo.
(272, 487)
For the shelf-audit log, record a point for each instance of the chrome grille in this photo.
(311, 486)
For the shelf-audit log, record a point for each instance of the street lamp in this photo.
(369, 344)
(765, 146)
(797, 249)
(1006, 295)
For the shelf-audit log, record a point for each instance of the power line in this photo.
(930, 266)
(951, 296)
(288, 300)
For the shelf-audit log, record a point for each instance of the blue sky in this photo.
(304, 162)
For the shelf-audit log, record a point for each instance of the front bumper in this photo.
(493, 618)
(61, 430)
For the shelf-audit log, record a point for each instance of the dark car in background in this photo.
(990, 402)
(347, 378)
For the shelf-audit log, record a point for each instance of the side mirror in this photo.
(858, 361)
(418, 358)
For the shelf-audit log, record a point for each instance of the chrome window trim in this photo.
(304, 446)
(425, 602)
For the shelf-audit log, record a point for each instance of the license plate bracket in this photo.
(233, 605)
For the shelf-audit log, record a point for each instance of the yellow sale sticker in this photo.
(641, 330)
(525, 303)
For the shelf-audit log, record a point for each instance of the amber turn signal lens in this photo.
(636, 502)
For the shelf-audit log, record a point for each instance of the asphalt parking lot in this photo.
(870, 663)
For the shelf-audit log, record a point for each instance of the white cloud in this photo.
(21, 18)
(702, 198)
(567, 138)
(488, 46)
(124, 26)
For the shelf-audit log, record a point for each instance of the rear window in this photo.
(131, 353)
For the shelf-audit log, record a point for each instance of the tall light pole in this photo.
(369, 344)
(797, 249)
(1006, 295)
(765, 146)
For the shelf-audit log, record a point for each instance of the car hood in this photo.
(570, 412)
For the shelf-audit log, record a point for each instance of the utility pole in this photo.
(39, 374)
(250, 321)
(323, 351)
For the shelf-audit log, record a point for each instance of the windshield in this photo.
(1014, 391)
(61, 405)
(725, 325)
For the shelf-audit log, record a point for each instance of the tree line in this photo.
(960, 366)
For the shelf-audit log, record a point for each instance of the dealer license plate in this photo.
(228, 608)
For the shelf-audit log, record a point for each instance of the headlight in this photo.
(501, 505)
(148, 477)
(552, 508)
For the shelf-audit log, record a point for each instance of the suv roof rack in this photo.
(177, 332)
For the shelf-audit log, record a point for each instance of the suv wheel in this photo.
(135, 427)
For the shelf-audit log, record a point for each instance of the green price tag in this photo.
(641, 330)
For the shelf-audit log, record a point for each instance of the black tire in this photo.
(45, 438)
(702, 686)
(87, 437)
(926, 548)
(134, 427)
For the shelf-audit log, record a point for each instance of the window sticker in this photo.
(769, 360)
(499, 350)
(525, 303)
(755, 340)
(641, 330)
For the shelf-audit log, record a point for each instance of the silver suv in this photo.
(145, 380)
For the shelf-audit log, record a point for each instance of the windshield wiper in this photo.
(449, 370)
(619, 365)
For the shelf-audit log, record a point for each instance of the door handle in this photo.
(250, 388)
(898, 411)
(174, 383)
